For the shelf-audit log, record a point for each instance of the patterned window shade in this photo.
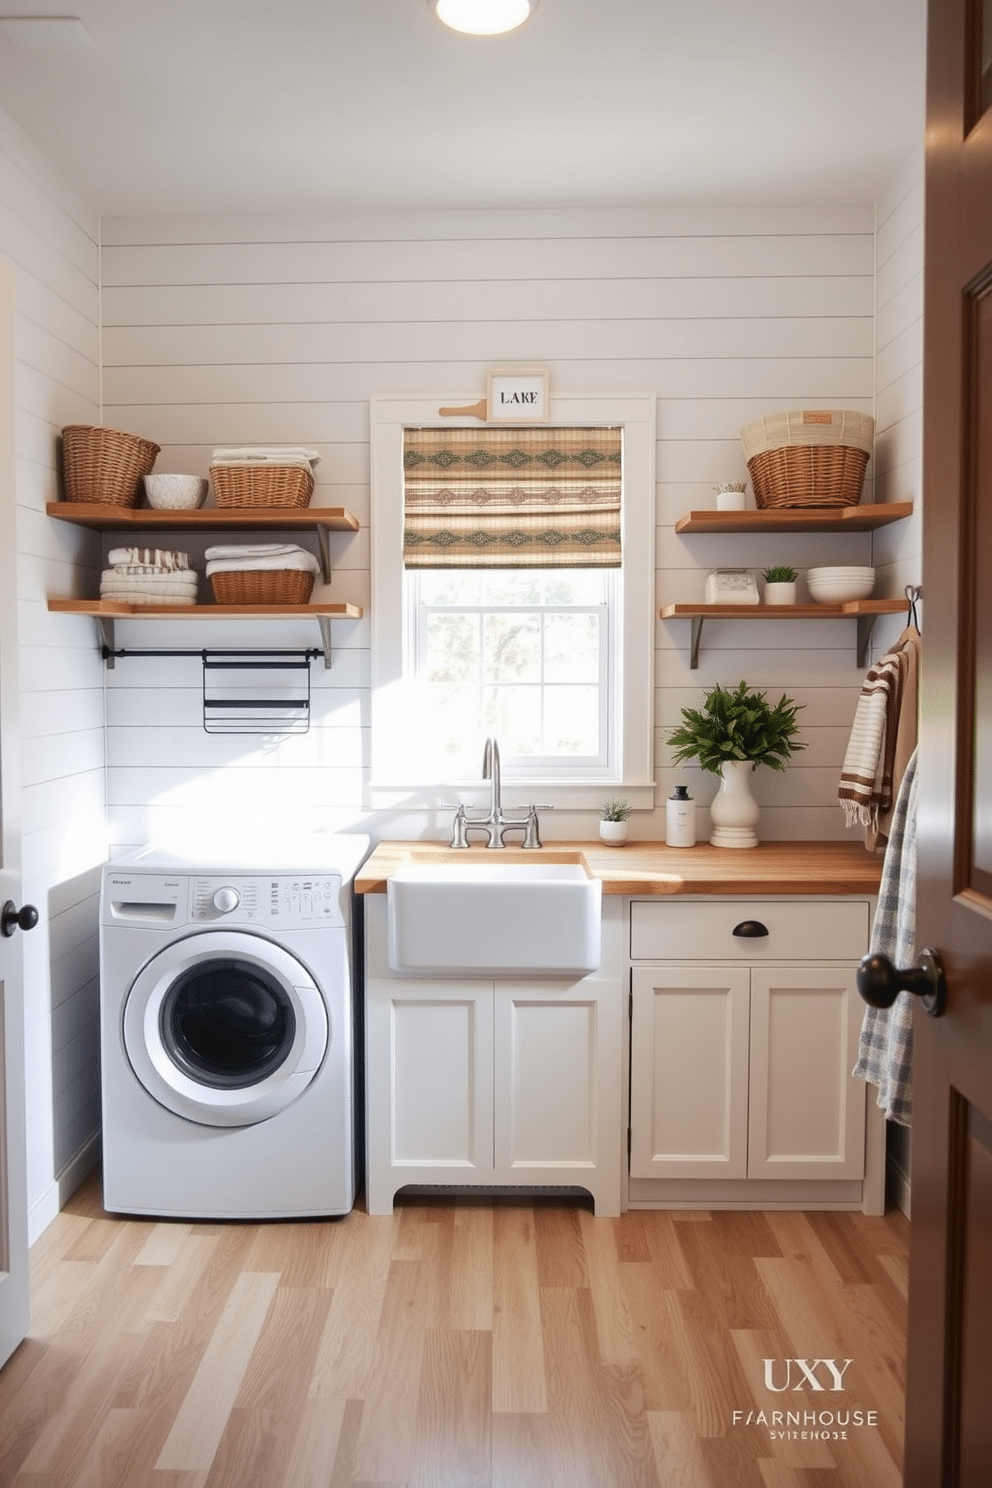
(512, 498)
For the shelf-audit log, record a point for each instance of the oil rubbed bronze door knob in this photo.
(12, 918)
(880, 983)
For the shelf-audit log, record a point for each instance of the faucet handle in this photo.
(532, 834)
(459, 835)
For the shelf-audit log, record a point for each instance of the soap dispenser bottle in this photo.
(680, 818)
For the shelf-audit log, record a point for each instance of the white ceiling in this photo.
(281, 105)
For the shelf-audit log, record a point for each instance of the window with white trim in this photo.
(555, 662)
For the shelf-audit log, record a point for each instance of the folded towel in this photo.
(302, 562)
(885, 1047)
(224, 551)
(142, 597)
(155, 558)
(264, 454)
(112, 582)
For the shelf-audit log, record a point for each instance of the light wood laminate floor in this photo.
(472, 1342)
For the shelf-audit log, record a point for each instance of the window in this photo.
(556, 663)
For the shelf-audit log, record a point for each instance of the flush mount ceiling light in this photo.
(483, 17)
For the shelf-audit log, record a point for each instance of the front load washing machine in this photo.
(227, 1033)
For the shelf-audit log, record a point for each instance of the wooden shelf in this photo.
(797, 519)
(105, 612)
(203, 519)
(865, 611)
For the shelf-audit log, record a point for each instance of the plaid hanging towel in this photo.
(865, 788)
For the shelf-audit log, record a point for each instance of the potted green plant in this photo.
(780, 584)
(613, 826)
(734, 731)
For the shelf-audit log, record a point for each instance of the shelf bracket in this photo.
(108, 648)
(324, 621)
(697, 636)
(324, 543)
(866, 624)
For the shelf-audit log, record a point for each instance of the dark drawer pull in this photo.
(750, 930)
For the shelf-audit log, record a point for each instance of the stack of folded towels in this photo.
(265, 454)
(240, 556)
(148, 576)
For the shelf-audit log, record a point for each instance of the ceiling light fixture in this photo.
(47, 33)
(483, 17)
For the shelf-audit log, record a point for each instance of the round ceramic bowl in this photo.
(176, 492)
(839, 585)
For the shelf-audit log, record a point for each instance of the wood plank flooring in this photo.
(473, 1343)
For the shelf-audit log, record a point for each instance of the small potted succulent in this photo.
(780, 584)
(730, 495)
(613, 827)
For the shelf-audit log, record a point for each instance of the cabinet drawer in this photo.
(703, 930)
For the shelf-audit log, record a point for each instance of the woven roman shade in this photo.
(512, 498)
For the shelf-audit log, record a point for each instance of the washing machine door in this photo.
(225, 1028)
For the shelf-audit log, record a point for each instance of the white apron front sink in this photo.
(529, 918)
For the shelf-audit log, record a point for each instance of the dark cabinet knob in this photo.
(750, 930)
(12, 918)
(880, 983)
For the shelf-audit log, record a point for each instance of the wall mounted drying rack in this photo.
(273, 696)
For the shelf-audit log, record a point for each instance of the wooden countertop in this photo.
(653, 868)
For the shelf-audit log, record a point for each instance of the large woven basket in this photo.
(808, 457)
(262, 586)
(105, 465)
(262, 485)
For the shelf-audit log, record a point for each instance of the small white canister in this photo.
(680, 818)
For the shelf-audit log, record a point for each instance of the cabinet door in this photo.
(689, 1072)
(807, 1113)
(429, 1086)
(557, 1083)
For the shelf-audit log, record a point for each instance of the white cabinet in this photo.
(493, 1083)
(744, 1030)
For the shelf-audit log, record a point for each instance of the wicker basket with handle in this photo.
(808, 457)
(262, 485)
(105, 465)
(262, 586)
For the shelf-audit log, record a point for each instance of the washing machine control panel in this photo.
(284, 899)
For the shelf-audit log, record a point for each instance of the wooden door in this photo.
(13, 1199)
(949, 1385)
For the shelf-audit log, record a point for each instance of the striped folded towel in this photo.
(264, 454)
(147, 559)
(114, 584)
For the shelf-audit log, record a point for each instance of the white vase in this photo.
(780, 593)
(733, 811)
(730, 500)
(613, 832)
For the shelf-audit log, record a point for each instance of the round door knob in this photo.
(880, 983)
(12, 918)
(226, 899)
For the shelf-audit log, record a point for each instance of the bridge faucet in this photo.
(494, 823)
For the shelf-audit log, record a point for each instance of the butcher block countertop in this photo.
(653, 868)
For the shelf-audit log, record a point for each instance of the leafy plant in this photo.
(737, 725)
(615, 809)
(780, 573)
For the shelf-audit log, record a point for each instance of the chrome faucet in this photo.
(495, 823)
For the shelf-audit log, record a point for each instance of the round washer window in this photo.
(228, 1024)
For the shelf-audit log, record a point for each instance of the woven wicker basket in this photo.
(262, 485)
(808, 457)
(262, 586)
(105, 465)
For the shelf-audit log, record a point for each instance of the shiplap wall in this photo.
(279, 330)
(51, 242)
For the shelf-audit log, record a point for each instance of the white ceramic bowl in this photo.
(839, 585)
(176, 492)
